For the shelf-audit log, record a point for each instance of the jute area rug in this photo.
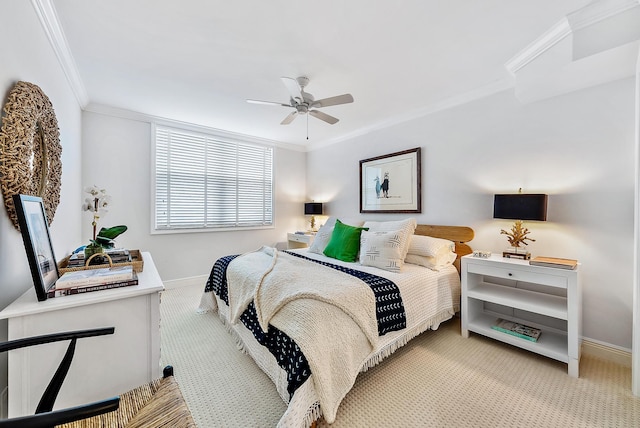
(438, 380)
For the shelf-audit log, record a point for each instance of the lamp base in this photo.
(516, 253)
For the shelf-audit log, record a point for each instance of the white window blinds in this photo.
(202, 182)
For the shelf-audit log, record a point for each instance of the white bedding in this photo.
(429, 298)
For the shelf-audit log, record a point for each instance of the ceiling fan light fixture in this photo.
(303, 101)
(302, 81)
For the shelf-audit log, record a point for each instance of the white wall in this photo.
(27, 55)
(578, 148)
(116, 156)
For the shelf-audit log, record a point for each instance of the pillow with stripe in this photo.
(405, 227)
(382, 250)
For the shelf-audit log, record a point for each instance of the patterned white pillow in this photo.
(323, 236)
(429, 246)
(406, 227)
(382, 249)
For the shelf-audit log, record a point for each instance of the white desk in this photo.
(102, 366)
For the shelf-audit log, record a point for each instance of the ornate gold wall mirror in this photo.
(30, 149)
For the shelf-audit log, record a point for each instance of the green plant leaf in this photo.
(104, 242)
(110, 233)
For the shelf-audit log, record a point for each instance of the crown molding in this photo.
(157, 120)
(546, 41)
(591, 14)
(599, 11)
(51, 25)
(445, 104)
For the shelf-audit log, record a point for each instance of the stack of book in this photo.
(87, 280)
(518, 330)
(554, 262)
(118, 255)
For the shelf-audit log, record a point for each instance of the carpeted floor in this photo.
(438, 380)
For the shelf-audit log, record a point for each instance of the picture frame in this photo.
(391, 183)
(34, 228)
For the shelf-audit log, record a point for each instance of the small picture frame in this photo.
(34, 228)
(391, 183)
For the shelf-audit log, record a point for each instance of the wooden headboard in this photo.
(460, 235)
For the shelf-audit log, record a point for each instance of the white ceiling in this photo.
(197, 61)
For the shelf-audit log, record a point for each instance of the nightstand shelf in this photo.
(552, 343)
(545, 298)
(531, 301)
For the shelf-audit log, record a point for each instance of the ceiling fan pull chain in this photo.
(307, 127)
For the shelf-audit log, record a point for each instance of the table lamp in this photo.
(519, 207)
(313, 209)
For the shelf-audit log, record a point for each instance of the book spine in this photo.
(513, 333)
(99, 280)
(87, 289)
(551, 265)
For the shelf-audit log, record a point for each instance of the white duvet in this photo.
(429, 298)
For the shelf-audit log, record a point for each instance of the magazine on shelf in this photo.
(94, 276)
(554, 262)
(56, 292)
(519, 330)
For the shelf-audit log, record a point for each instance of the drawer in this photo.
(517, 273)
(299, 238)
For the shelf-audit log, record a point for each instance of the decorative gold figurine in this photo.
(517, 235)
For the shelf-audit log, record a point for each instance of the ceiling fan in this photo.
(303, 102)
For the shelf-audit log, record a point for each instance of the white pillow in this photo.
(433, 263)
(405, 227)
(429, 246)
(382, 250)
(323, 236)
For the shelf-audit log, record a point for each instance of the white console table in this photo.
(102, 366)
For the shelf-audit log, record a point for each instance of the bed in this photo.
(312, 322)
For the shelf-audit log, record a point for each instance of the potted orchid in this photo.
(97, 204)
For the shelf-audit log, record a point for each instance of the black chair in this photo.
(45, 416)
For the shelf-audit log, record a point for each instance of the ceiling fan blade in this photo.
(323, 116)
(271, 103)
(287, 120)
(293, 88)
(333, 101)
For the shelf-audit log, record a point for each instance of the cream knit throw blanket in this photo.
(330, 315)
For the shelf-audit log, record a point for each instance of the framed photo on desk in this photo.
(34, 228)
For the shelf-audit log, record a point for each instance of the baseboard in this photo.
(186, 282)
(606, 352)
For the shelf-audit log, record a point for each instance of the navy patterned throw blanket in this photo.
(390, 316)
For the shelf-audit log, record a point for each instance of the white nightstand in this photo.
(546, 298)
(296, 240)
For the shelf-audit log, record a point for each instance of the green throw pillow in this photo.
(344, 243)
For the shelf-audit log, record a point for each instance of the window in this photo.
(206, 182)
